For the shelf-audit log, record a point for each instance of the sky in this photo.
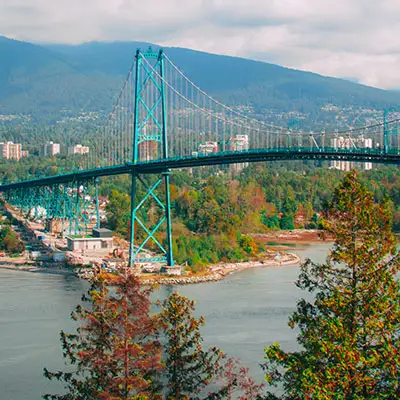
(352, 39)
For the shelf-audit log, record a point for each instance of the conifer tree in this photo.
(115, 353)
(189, 367)
(349, 332)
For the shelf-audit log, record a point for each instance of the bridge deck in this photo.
(155, 166)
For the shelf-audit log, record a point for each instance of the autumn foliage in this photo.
(122, 351)
(116, 353)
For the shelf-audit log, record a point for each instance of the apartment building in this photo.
(50, 149)
(78, 149)
(10, 151)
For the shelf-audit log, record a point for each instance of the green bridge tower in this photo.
(150, 127)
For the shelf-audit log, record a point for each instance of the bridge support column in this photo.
(170, 258)
(132, 220)
(150, 142)
(96, 189)
(147, 227)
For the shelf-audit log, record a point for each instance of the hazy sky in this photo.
(356, 39)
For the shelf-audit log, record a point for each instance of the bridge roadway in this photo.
(157, 166)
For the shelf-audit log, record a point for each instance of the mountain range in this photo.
(51, 81)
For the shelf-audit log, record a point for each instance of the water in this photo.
(244, 313)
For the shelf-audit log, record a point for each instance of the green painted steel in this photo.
(69, 203)
(166, 174)
(387, 130)
(146, 115)
(376, 156)
(97, 203)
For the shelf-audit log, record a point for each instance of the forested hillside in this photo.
(58, 81)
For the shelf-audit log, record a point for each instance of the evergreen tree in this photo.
(349, 332)
(115, 353)
(189, 368)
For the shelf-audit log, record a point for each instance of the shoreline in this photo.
(35, 269)
(214, 273)
(220, 271)
(277, 241)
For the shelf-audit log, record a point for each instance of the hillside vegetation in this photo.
(57, 81)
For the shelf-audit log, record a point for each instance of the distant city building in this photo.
(24, 153)
(149, 147)
(78, 149)
(50, 149)
(148, 150)
(10, 151)
(239, 143)
(348, 143)
(208, 148)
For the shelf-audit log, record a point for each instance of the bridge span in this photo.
(267, 155)
(163, 121)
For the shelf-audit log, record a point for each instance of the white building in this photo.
(239, 143)
(78, 149)
(349, 143)
(208, 148)
(89, 243)
(50, 149)
(148, 150)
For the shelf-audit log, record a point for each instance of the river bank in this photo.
(220, 271)
(32, 267)
(275, 241)
(213, 273)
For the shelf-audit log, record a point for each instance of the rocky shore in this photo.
(213, 273)
(219, 271)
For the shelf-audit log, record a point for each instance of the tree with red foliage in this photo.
(115, 354)
(236, 383)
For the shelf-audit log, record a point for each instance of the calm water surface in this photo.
(244, 313)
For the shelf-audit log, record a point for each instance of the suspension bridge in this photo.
(163, 121)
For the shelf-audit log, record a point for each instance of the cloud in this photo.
(344, 38)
